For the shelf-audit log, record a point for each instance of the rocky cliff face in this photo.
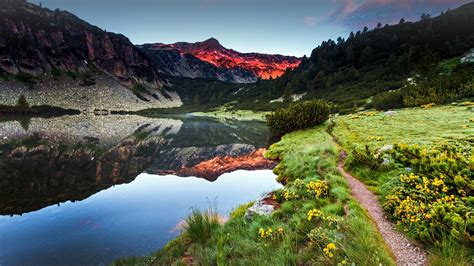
(56, 48)
(38, 41)
(209, 59)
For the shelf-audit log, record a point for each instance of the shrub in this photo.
(435, 199)
(388, 100)
(200, 225)
(25, 78)
(298, 116)
(365, 158)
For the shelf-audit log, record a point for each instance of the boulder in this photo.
(265, 206)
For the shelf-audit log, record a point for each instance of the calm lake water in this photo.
(81, 190)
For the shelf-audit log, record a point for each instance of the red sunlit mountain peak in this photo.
(211, 44)
(264, 66)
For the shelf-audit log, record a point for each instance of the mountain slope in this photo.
(38, 46)
(245, 67)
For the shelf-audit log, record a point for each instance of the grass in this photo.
(428, 127)
(288, 237)
(224, 113)
(450, 124)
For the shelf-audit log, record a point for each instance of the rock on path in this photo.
(404, 251)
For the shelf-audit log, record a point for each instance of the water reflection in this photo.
(54, 160)
(125, 220)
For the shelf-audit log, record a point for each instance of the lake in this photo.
(77, 190)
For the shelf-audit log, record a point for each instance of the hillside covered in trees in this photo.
(348, 72)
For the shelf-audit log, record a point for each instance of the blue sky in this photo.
(290, 27)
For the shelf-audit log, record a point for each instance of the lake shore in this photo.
(311, 157)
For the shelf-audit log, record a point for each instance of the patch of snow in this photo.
(297, 97)
(279, 100)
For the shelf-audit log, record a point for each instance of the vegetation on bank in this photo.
(420, 163)
(243, 115)
(298, 116)
(23, 108)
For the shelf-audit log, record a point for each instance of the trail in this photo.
(404, 251)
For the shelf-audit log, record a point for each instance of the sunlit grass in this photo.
(432, 126)
(427, 127)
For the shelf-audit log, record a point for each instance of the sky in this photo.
(289, 27)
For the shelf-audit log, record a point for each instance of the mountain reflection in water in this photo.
(48, 161)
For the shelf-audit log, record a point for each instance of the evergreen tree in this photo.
(196, 100)
(350, 54)
(22, 102)
(367, 56)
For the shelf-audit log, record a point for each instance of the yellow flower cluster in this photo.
(288, 195)
(318, 188)
(434, 186)
(265, 234)
(411, 179)
(314, 213)
(329, 250)
(371, 138)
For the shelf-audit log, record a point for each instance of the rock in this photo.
(390, 113)
(468, 57)
(261, 207)
(382, 150)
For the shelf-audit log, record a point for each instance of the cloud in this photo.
(309, 21)
(356, 14)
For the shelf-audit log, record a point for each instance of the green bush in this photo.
(298, 116)
(364, 158)
(435, 199)
(388, 100)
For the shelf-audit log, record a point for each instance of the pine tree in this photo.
(22, 102)
(367, 56)
(350, 54)
(196, 100)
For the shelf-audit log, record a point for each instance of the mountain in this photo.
(217, 62)
(372, 63)
(172, 62)
(45, 49)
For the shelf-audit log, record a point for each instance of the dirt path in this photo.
(405, 252)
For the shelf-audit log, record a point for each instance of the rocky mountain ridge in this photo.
(188, 60)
